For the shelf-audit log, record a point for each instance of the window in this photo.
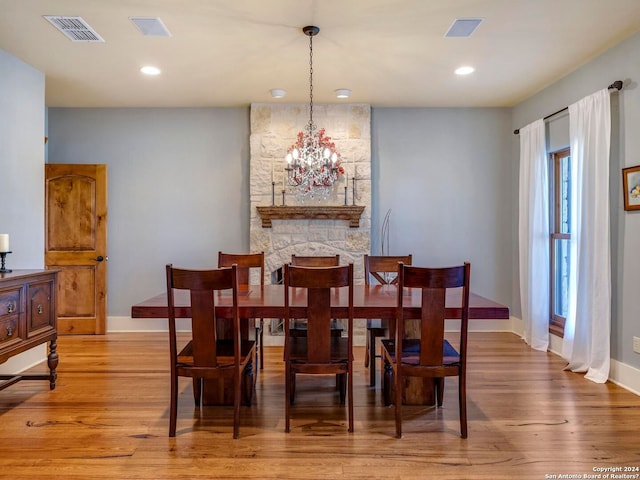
(560, 217)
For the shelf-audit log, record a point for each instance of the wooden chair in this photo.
(205, 356)
(245, 262)
(430, 356)
(384, 270)
(319, 352)
(299, 328)
(315, 261)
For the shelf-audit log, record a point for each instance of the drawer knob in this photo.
(40, 310)
(10, 307)
(9, 331)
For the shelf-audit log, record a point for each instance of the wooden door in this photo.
(76, 244)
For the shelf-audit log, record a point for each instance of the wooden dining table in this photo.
(370, 301)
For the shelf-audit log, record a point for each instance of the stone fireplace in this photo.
(310, 228)
(273, 130)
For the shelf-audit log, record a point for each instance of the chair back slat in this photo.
(384, 268)
(315, 261)
(432, 326)
(203, 328)
(318, 325)
(245, 262)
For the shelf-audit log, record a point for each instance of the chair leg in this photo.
(292, 388)
(247, 383)
(387, 382)
(439, 388)
(350, 397)
(371, 351)
(197, 391)
(343, 386)
(173, 408)
(398, 387)
(287, 396)
(366, 357)
(261, 344)
(462, 400)
(237, 387)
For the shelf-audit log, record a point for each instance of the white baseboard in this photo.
(626, 376)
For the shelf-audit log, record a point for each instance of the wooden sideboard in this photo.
(27, 319)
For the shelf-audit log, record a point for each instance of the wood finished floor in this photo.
(108, 419)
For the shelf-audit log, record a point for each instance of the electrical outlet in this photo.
(636, 344)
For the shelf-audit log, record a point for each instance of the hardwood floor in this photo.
(108, 418)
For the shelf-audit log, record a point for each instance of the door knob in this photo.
(100, 258)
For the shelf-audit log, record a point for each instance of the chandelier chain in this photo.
(310, 80)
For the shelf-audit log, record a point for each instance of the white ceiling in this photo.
(389, 52)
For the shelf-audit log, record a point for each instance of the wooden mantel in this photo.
(351, 213)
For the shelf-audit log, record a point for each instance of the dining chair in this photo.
(246, 262)
(381, 270)
(205, 356)
(319, 352)
(299, 327)
(431, 355)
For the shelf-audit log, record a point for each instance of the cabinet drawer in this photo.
(9, 332)
(40, 314)
(10, 301)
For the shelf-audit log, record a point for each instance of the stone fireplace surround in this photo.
(273, 130)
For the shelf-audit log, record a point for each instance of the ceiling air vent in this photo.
(75, 28)
(463, 27)
(150, 26)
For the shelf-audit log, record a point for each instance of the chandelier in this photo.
(313, 164)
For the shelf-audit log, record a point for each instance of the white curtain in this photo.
(587, 329)
(533, 232)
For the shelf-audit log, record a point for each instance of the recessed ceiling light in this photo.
(277, 92)
(343, 93)
(464, 70)
(150, 70)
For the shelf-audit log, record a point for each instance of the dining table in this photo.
(370, 301)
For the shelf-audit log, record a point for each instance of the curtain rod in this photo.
(615, 85)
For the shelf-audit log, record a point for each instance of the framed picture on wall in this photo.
(631, 187)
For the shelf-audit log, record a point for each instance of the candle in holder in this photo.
(4, 242)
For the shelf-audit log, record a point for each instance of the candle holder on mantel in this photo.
(3, 269)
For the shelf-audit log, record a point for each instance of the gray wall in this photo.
(178, 187)
(619, 63)
(22, 117)
(445, 176)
